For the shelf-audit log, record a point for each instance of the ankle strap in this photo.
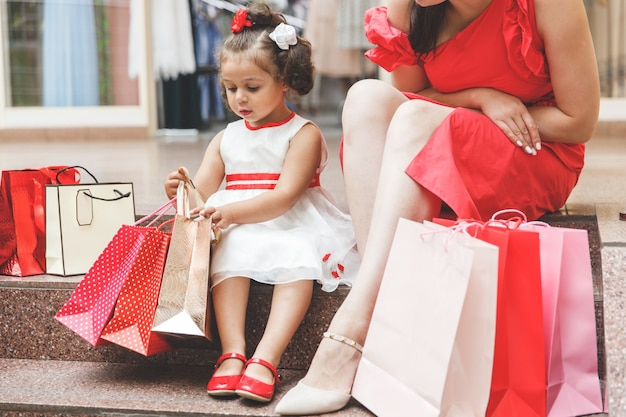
(345, 340)
(277, 376)
(232, 355)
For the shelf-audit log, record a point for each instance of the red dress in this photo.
(468, 162)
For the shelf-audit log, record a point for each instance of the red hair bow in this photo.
(240, 20)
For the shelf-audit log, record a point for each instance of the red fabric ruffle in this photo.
(393, 48)
(524, 51)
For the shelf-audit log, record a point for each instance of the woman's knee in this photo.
(370, 100)
(414, 122)
(422, 110)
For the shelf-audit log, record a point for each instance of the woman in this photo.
(499, 98)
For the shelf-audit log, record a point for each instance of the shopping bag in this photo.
(518, 386)
(132, 319)
(184, 306)
(89, 308)
(429, 347)
(22, 217)
(569, 322)
(519, 383)
(81, 219)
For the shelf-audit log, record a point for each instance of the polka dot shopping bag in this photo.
(132, 319)
(133, 253)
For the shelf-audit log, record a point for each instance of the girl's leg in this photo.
(230, 301)
(334, 365)
(290, 303)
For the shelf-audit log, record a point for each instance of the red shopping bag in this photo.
(569, 322)
(22, 217)
(132, 319)
(518, 385)
(92, 303)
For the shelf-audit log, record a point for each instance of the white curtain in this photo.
(607, 19)
(70, 59)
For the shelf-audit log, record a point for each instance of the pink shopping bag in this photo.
(569, 322)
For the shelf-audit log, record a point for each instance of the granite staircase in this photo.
(48, 371)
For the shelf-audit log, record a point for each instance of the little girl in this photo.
(279, 226)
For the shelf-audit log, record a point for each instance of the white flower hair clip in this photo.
(284, 36)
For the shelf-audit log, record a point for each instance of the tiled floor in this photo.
(602, 188)
(147, 162)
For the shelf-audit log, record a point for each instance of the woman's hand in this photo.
(512, 116)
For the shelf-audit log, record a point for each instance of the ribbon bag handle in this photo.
(512, 222)
(157, 214)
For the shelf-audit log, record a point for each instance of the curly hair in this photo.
(293, 65)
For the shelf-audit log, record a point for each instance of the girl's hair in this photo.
(294, 65)
(426, 25)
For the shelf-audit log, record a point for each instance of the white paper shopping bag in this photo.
(429, 348)
(80, 220)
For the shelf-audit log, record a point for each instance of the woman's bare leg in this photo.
(290, 302)
(365, 127)
(230, 302)
(397, 195)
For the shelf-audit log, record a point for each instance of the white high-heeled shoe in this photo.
(303, 400)
(306, 400)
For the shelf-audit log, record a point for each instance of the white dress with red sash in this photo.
(313, 240)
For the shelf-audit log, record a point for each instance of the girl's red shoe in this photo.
(225, 385)
(252, 388)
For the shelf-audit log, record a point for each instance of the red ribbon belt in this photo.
(259, 181)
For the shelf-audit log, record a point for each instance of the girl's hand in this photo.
(171, 183)
(512, 116)
(221, 218)
(172, 180)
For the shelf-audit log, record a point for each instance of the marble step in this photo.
(28, 329)
(44, 388)
(46, 370)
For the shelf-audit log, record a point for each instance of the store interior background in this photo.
(83, 54)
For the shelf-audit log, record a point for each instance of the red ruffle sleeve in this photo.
(393, 48)
(524, 49)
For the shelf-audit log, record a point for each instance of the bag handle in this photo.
(188, 180)
(169, 222)
(513, 222)
(120, 195)
(182, 200)
(535, 223)
(158, 213)
(52, 172)
(74, 167)
(182, 208)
